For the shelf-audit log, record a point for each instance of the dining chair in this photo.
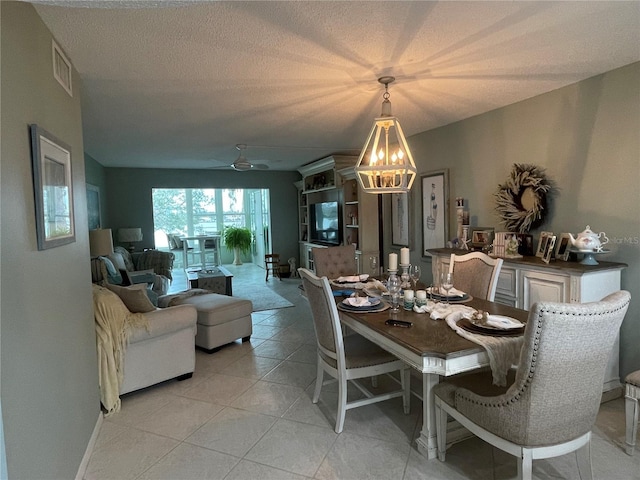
(334, 262)
(631, 397)
(272, 263)
(347, 358)
(550, 407)
(476, 273)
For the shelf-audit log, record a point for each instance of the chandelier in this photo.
(385, 164)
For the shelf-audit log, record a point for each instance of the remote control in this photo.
(398, 323)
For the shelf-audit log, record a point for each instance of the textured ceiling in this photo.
(179, 86)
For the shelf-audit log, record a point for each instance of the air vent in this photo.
(61, 68)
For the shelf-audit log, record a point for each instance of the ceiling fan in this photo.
(241, 164)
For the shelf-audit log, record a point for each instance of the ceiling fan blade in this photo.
(260, 166)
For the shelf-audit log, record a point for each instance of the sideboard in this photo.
(527, 280)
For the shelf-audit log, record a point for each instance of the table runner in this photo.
(503, 352)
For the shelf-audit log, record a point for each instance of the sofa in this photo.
(138, 344)
(153, 267)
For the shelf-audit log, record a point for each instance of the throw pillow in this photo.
(113, 275)
(134, 297)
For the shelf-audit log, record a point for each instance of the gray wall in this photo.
(128, 193)
(586, 136)
(49, 382)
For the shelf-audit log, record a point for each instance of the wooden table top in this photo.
(427, 337)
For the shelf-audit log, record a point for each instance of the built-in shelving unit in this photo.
(333, 178)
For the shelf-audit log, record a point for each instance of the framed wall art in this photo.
(53, 189)
(435, 211)
(542, 243)
(400, 219)
(93, 207)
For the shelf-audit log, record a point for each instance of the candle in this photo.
(408, 295)
(393, 261)
(421, 294)
(404, 256)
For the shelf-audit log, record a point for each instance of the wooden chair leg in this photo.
(583, 456)
(631, 414)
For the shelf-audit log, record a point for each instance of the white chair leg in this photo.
(441, 430)
(631, 414)
(342, 404)
(405, 376)
(525, 465)
(374, 381)
(319, 380)
(583, 455)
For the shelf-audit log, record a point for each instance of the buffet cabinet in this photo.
(525, 281)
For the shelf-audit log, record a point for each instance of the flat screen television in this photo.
(325, 227)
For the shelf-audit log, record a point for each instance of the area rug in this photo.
(262, 298)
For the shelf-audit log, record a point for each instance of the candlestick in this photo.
(393, 261)
(404, 276)
(404, 256)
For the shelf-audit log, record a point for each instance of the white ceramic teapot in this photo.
(589, 241)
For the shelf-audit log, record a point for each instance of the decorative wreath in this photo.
(522, 199)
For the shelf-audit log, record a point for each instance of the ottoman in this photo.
(221, 319)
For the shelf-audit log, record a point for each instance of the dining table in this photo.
(429, 346)
(202, 239)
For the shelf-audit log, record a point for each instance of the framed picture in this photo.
(93, 207)
(481, 237)
(400, 219)
(53, 189)
(562, 247)
(435, 211)
(526, 244)
(542, 243)
(548, 248)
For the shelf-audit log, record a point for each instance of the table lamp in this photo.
(130, 235)
(100, 244)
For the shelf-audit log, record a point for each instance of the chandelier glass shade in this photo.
(385, 164)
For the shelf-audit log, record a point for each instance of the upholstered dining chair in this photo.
(347, 358)
(631, 397)
(476, 273)
(334, 262)
(550, 407)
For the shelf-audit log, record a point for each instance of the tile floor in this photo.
(247, 414)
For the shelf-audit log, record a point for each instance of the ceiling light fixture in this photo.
(385, 164)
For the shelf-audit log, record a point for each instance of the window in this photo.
(196, 211)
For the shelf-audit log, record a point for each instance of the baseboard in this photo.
(612, 394)
(82, 469)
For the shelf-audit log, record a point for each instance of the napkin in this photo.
(502, 322)
(353, 278)
(453, 292)
(358, 301)
(439, 311)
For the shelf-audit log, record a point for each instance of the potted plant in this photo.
(239, 240)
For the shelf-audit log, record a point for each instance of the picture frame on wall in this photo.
(542, 243)
(435, 211)
(548, 249)
(53, 189)
(400, 219)
(93, 207)
(562, 247)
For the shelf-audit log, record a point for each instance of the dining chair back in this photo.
(476, 273)
(551, 406)
(334, 262)
(272, 264)
(347, 358)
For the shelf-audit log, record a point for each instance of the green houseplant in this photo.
(239, 240)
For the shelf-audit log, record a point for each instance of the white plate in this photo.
(372, 302)
(502, 323)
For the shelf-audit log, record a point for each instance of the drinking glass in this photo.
(393, 285)
(446, 282)
(373, 265)
(414, 273)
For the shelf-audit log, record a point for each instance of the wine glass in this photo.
(447, 283)
(393, 285)
(414, 273)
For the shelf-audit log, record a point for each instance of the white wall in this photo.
(587, 138)
(50, 400)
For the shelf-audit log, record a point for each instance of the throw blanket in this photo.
(176, 299)
(113, 322)
(160, 262)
